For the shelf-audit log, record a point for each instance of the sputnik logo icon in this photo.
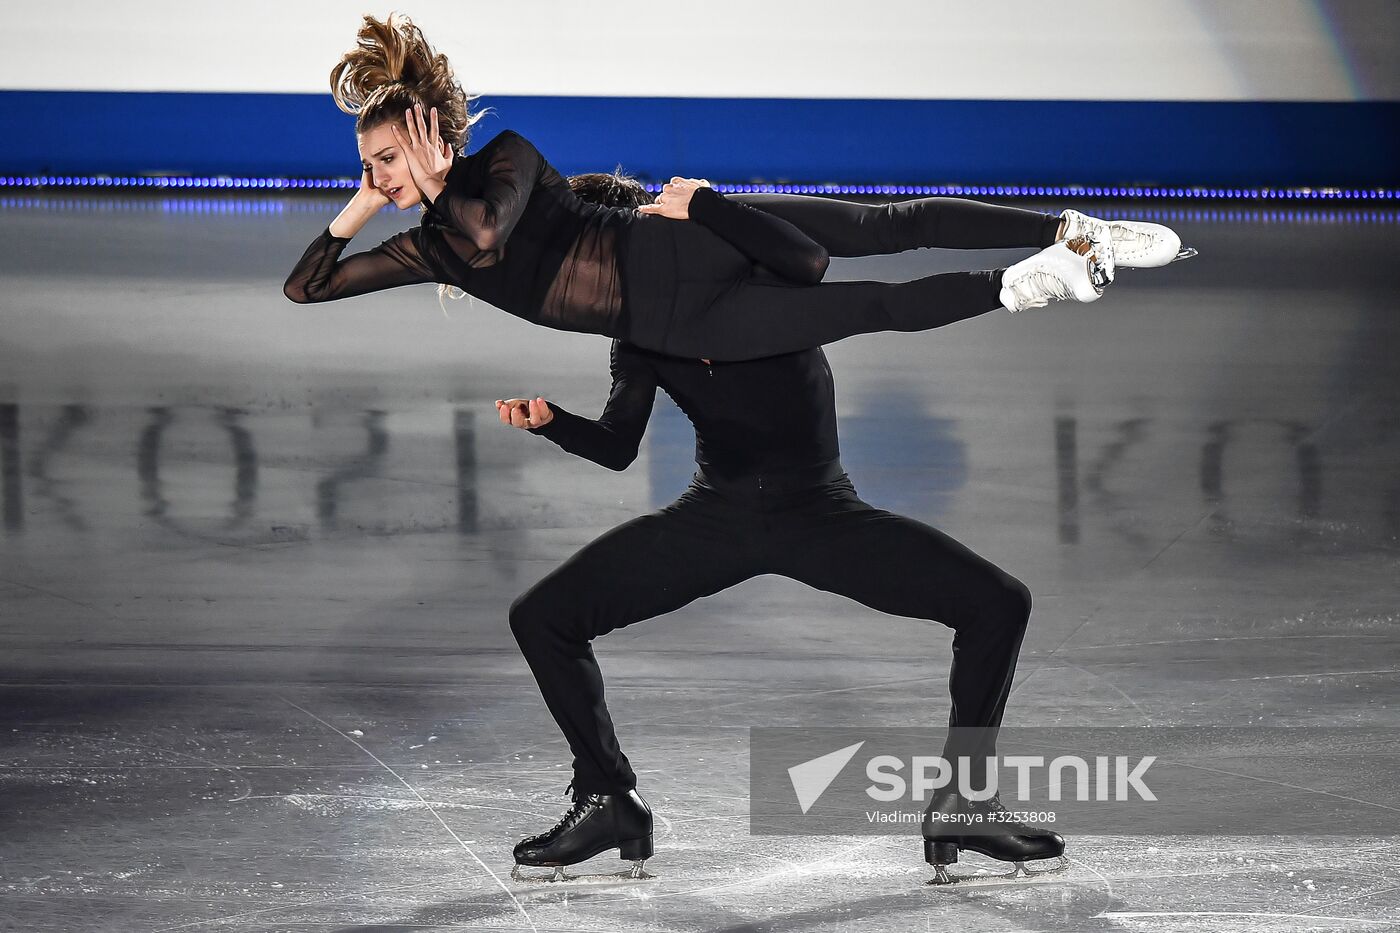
(811, 778)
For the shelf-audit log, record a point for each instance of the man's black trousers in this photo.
(815, 530)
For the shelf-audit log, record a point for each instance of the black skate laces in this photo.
(993, 804)
(577, 810)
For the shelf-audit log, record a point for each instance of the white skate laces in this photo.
(1068, 270)
(1133, 243)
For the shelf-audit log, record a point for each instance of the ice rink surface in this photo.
(255, 672)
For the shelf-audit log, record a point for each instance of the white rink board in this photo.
(890, 49)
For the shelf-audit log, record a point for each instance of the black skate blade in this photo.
(971, 875)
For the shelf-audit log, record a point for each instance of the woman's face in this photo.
(380, 153)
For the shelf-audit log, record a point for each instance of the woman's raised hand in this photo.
(524, 413)
(368, 195)
(428, 157)
(674, 199)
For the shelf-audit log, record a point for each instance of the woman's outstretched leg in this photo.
(754, 317)
(846, 228)
(757, 318)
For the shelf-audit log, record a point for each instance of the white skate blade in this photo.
(1019, 873)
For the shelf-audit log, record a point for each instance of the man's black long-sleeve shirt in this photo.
(765, 416)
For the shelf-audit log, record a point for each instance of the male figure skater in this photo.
(770, 496)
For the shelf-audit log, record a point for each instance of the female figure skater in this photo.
(770, 496)
(503, 225)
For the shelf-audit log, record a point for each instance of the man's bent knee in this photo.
(1016, 597)
(529, 618)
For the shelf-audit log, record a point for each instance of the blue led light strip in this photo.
(1038, 191)
(165, 183)
(254, 204)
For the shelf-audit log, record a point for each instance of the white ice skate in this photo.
(1132, 244)
(1068, 270)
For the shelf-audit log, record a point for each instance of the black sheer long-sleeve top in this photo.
(507, 229)
(739, 431)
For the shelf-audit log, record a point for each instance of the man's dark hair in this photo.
(610, 189)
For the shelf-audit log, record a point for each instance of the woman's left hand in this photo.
(428, 157)
(674, 199)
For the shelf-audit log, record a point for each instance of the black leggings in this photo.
(701, 302)
(710, 539)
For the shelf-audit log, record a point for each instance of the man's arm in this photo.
(765, 237)
(614, 438)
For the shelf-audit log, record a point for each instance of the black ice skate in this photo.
(1017, 843)
(594, 824)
